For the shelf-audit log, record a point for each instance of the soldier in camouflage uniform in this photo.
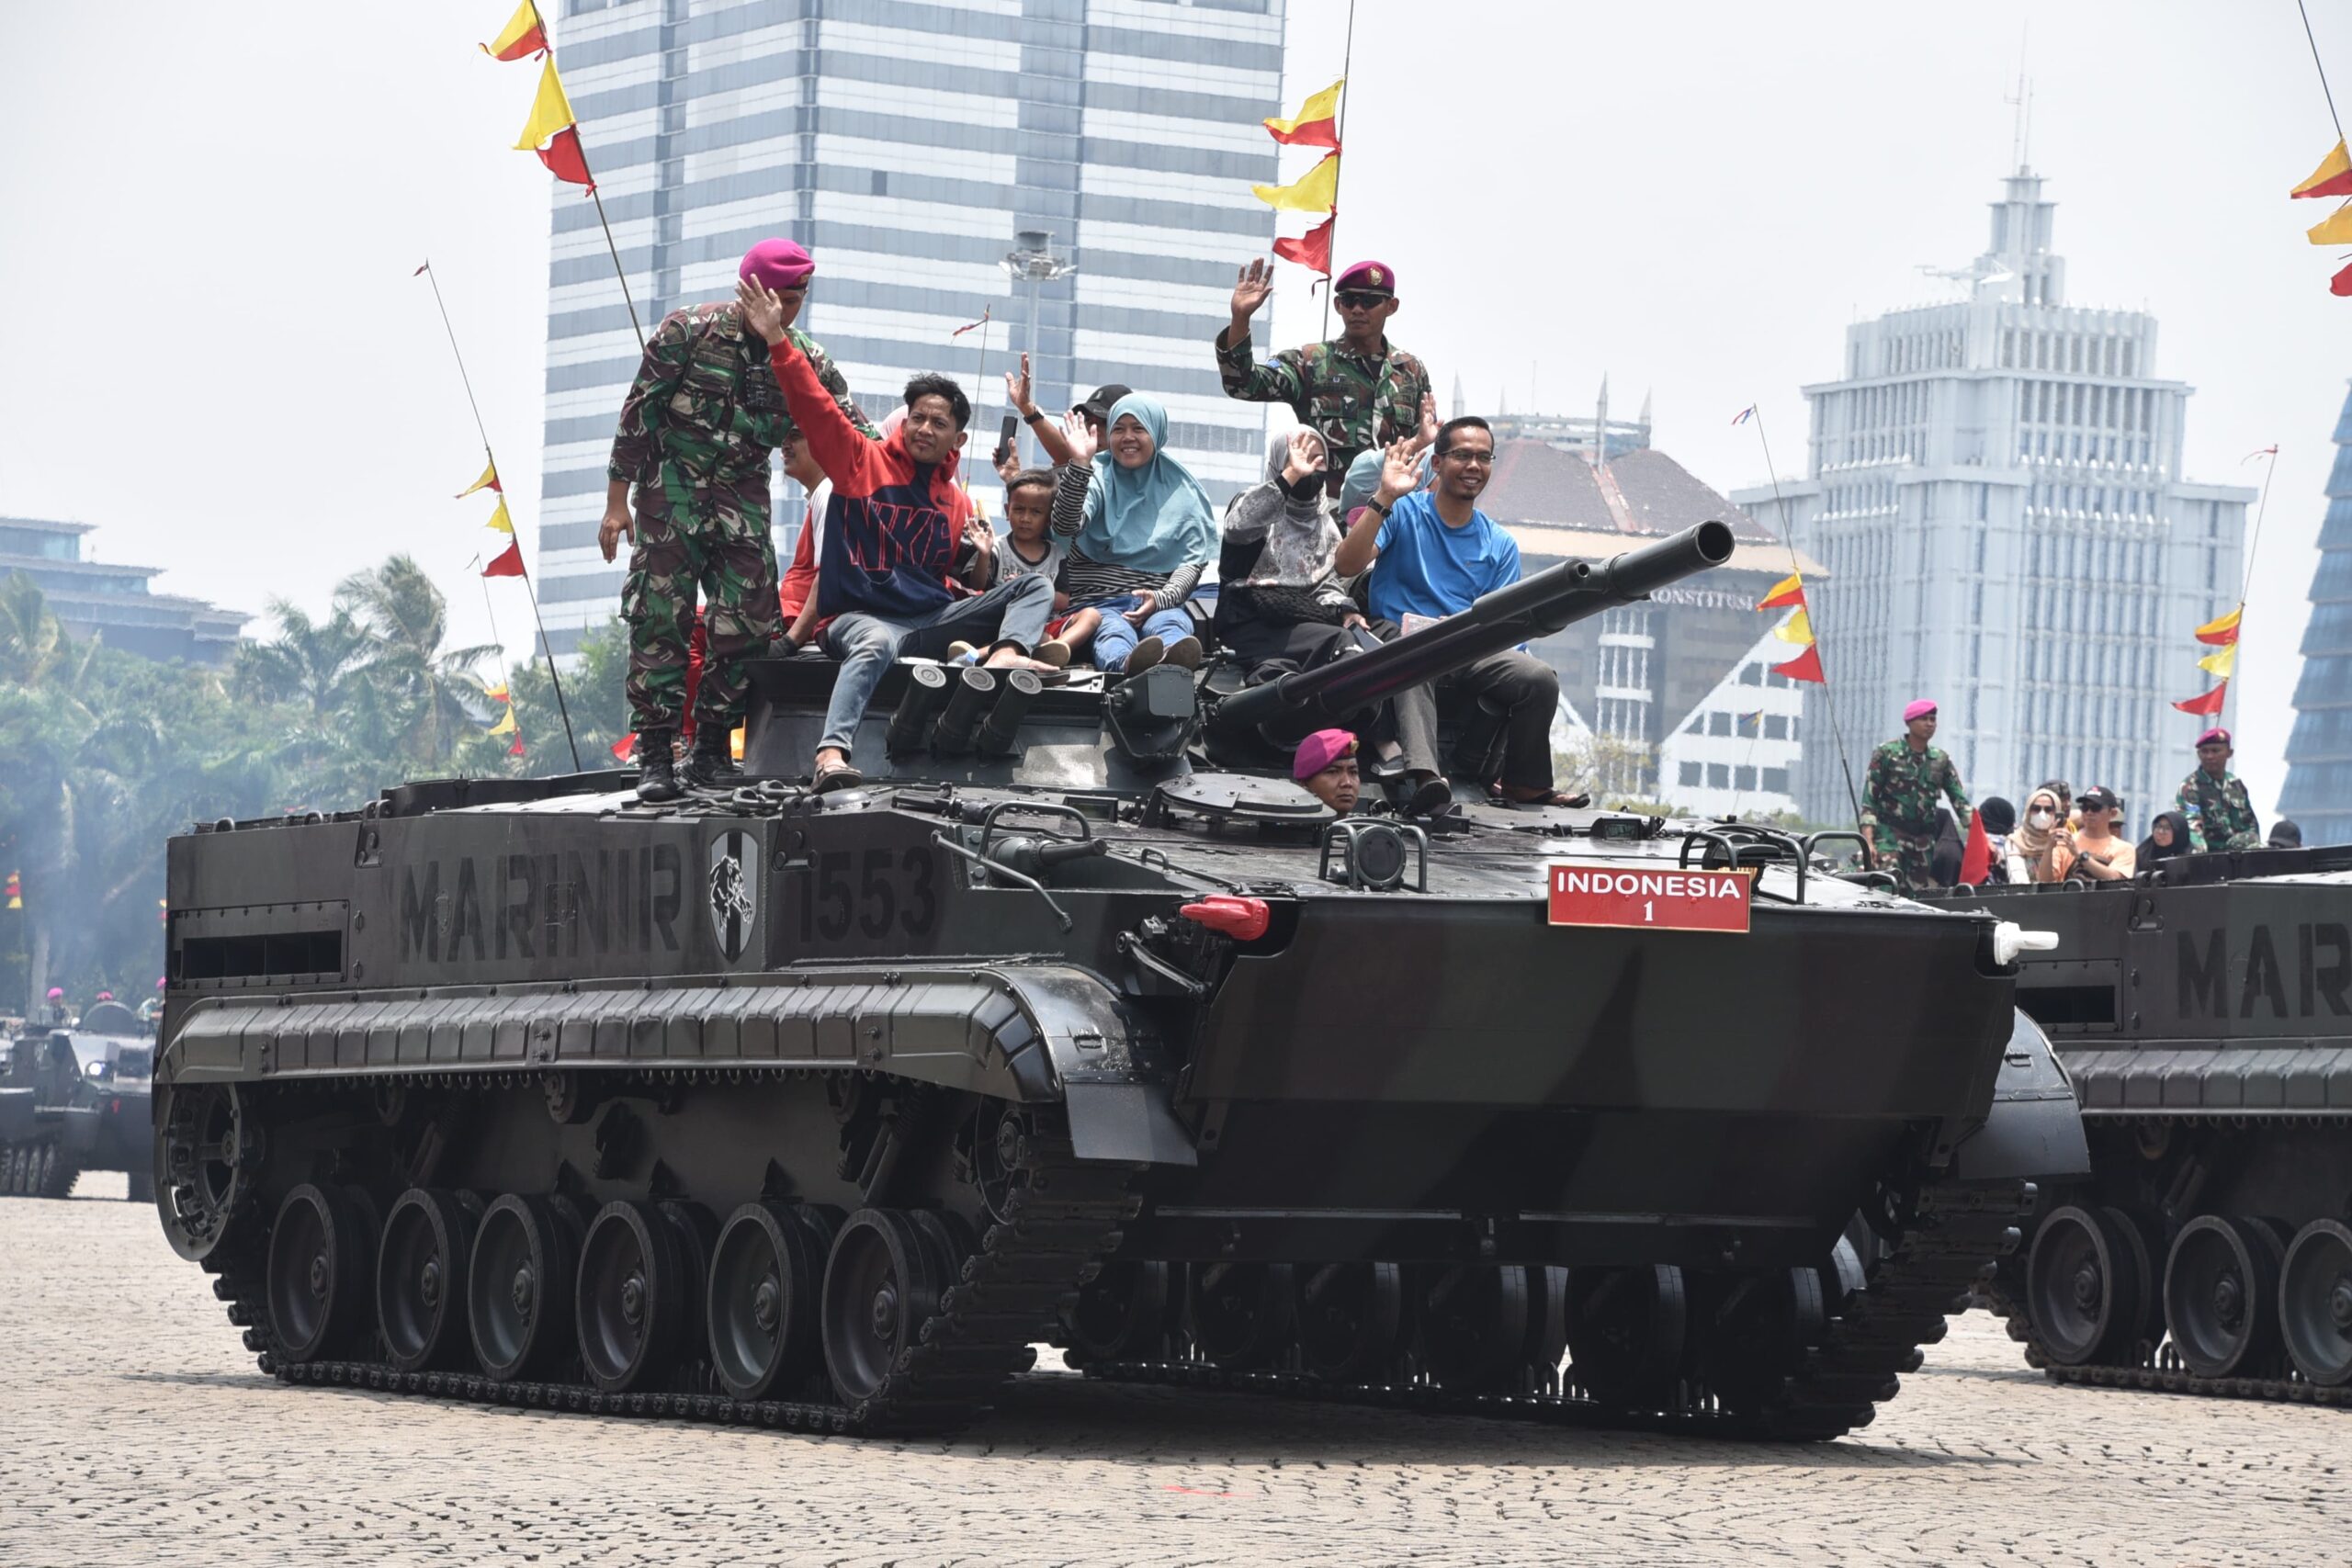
(695, 431)
(2213, 800)
(1905, 778)
(1355, 391)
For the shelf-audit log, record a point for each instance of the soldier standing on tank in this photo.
(1355, 391)
(2214, 800)
(694, 436)
(1905, 776)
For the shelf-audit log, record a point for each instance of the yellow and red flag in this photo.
(1789, 590)
(1316, 124)
(1311, 249)
(498, 694)
(2223, 630)
(500, 523)
(1314, 191)
(1797, 628)
(509, 562)
(2207, 705)
(505, 726)
(16, 891)
(2335, 229)
(2333, 177)
(522, 35)
(552, 134)
(488, 481)
(2222, 661)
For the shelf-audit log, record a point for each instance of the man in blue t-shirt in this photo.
(1432, 553)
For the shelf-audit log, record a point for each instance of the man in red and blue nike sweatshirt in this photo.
(892, 535)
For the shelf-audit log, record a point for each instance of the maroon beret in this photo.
(1371, 275)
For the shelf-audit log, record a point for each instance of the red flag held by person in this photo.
(1976, 860)
(1311, 249)
(509, 562)
(622, 746)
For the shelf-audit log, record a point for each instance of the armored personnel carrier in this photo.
(76, 1100)
(1079, 1021)
(2204, 1014)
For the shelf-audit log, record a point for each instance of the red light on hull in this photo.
(1244, 920)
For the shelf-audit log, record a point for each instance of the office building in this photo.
(111, 603)
(1995, 487)
(910, 147)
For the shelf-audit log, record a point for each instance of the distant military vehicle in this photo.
(2204, 1014)
(819, 1111)
(76, 1100)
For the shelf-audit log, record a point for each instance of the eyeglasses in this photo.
(1468, 455)
(1358, 299)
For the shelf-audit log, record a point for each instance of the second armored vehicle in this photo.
(2204, 1014)
(819, 1111)
(76, 1100)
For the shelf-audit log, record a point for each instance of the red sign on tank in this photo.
(1665, 899)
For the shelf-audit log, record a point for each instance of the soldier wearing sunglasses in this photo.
(1355, 391)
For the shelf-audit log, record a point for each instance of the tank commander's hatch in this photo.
(1222, 800)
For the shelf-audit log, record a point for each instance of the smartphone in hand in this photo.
(1004, 440)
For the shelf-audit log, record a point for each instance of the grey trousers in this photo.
(1518, 684)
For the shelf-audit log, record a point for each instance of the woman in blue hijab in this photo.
(1142, 532)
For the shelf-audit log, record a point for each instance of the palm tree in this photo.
(406, 619)
(313, 664)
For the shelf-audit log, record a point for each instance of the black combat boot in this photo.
(713, 765)
(657, 779)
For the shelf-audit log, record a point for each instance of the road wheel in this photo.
(322, 1251)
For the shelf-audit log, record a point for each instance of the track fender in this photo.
(1028, 1032)
(15, 1114)
(1113, 1071)
(2034, 1130)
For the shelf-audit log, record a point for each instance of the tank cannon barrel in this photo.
(1535, 606)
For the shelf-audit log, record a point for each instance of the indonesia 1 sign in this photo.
(1665, 899)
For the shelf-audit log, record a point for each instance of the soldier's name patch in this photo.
(1674, 900)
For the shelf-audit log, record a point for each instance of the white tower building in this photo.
(1994, 489)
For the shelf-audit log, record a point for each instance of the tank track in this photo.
(2158, 1371)
(1028, 1264)
(2156, 1377)
(1958, 1236)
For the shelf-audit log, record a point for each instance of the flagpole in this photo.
(1339, 134)
(979, 384)
(598, 197)
(2324, 90)
(1837, 732)
(482, 430)
(2254, 540)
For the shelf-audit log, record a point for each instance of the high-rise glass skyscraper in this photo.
(1996, 498)
(908, 143)
(2318, 792)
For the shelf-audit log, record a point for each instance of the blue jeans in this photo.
(1012, 611)
(1118, 636)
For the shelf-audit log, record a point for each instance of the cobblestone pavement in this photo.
(134, 1429)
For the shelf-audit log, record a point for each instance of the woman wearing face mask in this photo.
(2167, 837)
(1142, 532)
(2042, 850)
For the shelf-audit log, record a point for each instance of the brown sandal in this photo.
(840, 775)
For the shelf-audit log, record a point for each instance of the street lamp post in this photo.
(1033, 262)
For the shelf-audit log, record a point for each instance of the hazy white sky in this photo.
(218, 355)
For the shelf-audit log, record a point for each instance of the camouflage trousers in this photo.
(713, 540)
(1910, 857)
